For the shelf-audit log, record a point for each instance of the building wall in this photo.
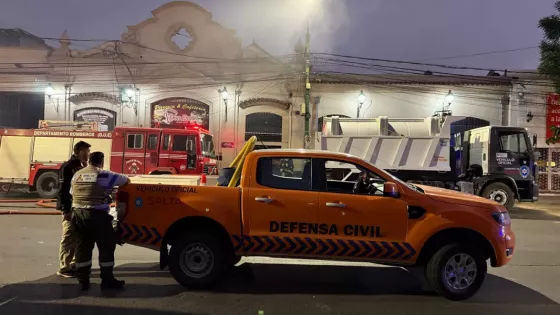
(408, 101)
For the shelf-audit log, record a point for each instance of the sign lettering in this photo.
(325, 229)
(166, 189)
(162, 201)
(179, 112)
(552, 112)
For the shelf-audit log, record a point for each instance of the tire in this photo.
(235, 260)
(47, 185)
(497, 191)
(440, 277)
(198, 260)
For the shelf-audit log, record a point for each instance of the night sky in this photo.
(395, 29)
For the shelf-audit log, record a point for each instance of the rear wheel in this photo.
(500, 193)
(198, 260)
(456, 272)
(47, 185)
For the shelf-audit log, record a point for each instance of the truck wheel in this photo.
(500, 193)
(235, 260)
(198, 260)
(456, 272)
(47, 185)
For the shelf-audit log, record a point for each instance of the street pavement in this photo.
(28, 284)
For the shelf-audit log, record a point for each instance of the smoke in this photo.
(277, 25)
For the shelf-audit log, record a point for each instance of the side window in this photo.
(285, 173)
(179, 143)
(152, 142)
(341, 177)
(135, 141)
(166, 139)
(522, 144)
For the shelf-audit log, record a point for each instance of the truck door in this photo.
(134, 153)
(360, 223)
(152, 152)
(183, 153)
(165, 149)
(280, 208)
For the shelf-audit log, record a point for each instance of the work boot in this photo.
(112, 284)
(85, 285)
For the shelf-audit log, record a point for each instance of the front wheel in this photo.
(198, 260)
(456, 272)
(500, 193)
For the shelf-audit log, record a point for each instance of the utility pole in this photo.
(306, 56)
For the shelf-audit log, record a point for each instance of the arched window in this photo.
(266, 126)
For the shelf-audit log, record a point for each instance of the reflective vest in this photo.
(86, 192)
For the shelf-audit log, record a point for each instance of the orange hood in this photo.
(455, 197)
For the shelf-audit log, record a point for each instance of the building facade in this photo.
(171, 70)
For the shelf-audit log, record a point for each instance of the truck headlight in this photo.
(502, 218)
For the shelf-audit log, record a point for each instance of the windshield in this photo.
(514, 142)
(207, 143)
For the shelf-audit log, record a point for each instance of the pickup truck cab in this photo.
(319, 205)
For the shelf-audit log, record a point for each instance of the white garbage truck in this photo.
(459, 153)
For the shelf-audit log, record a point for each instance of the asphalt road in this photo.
(28, 260)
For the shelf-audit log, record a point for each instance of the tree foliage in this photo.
(550, 57)
(555, 135)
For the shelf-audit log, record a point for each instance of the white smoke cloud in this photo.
(276, 25)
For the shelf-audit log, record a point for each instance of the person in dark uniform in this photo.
(91, 222)
(64, 204)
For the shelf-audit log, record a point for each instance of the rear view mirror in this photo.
(391, 190)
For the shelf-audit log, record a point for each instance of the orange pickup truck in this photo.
(320, 205)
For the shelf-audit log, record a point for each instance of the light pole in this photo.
(224, 93)
(361, 100)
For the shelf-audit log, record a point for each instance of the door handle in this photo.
(263, 199)
(335, 205)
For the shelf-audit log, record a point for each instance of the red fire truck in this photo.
(33, 156)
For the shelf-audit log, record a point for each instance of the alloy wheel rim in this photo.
(460, 271)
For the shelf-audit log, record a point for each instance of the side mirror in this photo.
(391, 190)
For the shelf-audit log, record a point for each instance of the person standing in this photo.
(64, 204)
(91, 222)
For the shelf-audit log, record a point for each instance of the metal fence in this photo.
(549, 169)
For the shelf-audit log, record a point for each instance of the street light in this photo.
(224, 94)
(361, 97)
(129, 92)
(49, 91)
(449, 98)
(361, 100)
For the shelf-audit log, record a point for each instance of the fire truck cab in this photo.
(162, 151)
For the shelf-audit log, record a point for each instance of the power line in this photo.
(478, 54)
(412, 63)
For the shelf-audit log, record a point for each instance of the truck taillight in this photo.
(122, 205)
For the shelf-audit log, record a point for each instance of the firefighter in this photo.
(78, 161)
(91, 222)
